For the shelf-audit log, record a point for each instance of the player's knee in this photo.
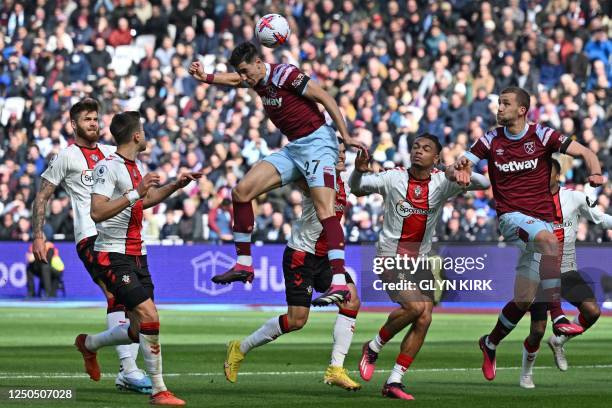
(537, 332)
(146, 314)
(413, 308)
(590, 311)
(296, 323)
(547, 243)
(241, 194)
(424, 320)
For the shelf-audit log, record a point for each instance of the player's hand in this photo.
(38, 249)
(197, 71)
(185, 178)
(463, 172)
(349, 141)
(596, 180)
(148, 181)
(362, 163)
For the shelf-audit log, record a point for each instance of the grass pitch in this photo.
(36, 352)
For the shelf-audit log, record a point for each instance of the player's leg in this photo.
(129, 376)
(343, 331)
(139, 299)
(315, 156)
(297, 270)
(412, 343)
(270, 173)
(531, 345)
(580, 294)
(411, 307)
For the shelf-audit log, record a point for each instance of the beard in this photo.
(87, 135)
(504, 121)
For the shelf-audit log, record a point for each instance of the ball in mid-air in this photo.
(272, 30)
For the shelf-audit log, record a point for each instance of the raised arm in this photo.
(39, 209)
(362, 181)
(316, 93)
(224, 78)
(157, 195)
(592, 162)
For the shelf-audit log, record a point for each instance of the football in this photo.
(272, 30)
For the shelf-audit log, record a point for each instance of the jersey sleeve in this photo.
(593, 214)
(480, 149)
(368, 183)
(290, 78)
(552, 139)
(57, 169)
(104, 180)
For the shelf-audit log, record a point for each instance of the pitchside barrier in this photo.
(464, 274)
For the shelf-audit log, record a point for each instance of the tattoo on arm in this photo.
(40, 206)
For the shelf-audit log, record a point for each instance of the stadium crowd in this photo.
(395, 68)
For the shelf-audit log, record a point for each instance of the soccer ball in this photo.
(272, 30)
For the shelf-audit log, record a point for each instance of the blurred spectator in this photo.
(395, 69)
(49, 274)
(220, 220)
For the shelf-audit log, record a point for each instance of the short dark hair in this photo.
(522, 96)
(431, 137)
(84, 105)
(556, 164)
(124, 125)
(245, 52)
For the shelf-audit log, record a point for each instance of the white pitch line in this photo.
(17, 376)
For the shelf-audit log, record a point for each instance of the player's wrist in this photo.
(132, 196)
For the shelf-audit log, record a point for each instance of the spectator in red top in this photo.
(121, 35)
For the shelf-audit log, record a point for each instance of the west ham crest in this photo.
(529, 147)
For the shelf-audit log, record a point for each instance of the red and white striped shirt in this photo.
(412, 207)
(307, 233)
(73, 169)
(113, 177)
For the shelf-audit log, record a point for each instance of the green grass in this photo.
(38, 343)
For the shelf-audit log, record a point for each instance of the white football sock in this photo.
(112, 337)
(151, 352)
(528, 361)
(269, 331)
(123, 351)
(343, 336)
(397, 374)
(377, 344)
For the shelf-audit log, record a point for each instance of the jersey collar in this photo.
(268, 69)
(517, 136)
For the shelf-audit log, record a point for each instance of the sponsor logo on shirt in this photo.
(513, 166)
(272, 101)
(87, 177)
(404, 209)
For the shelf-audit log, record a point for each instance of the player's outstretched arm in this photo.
(460, 172)
(157, 195)
(103, 208)
(318, 94)
(360, 182)
(39, 208)
(592, 162)
(224, 78)
(588, 209)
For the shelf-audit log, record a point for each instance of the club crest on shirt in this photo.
(418, 191)
(529, 147)
(94, 157)
(126, 279)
